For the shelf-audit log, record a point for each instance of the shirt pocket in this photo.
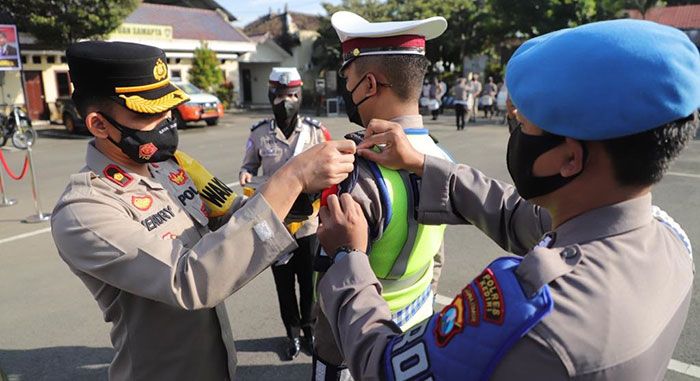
(269, 149)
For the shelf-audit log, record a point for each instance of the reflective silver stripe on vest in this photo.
(391, 285)
(401, 262)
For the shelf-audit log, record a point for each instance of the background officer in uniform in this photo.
(132, 226)
(384, 65)
(604, 296)
(271, 144)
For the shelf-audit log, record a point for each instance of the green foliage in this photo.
(227, 94)
(491, 27)
(205, 72)
(60, 22)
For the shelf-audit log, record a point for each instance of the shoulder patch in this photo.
(258, 124)
(312, 122)
(117, 175)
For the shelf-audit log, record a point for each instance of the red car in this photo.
(201, 106)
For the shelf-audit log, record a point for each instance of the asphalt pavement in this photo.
(52, 329)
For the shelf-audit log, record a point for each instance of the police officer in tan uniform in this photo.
(271, 144)
(604, 295)
(135, 228)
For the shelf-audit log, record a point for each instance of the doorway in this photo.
(34, 86)
(247, 93)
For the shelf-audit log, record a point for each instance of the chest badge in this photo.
(142, 202)
(178, 177)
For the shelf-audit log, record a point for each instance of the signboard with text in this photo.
(143, 31)
(9, 48)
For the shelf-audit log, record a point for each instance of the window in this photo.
(24, 59)
(62, 59)
(175, 73)
(50, 59)
(36, 59)
(62, 84)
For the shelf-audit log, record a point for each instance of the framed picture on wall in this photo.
(9, 48)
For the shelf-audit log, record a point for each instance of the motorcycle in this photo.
(17, 126)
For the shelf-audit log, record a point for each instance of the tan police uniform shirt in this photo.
(267, 147)
(621, 283)
(159, 275)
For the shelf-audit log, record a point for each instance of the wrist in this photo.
(289, 179)
(416, 165)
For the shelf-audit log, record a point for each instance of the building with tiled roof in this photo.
(282, 39)
(683, 17)
(176, 26)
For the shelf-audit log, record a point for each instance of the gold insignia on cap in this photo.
(356, 52)
(160, 71)
(154, 106)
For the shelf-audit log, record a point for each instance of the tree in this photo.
(60, 22)
(205, 72)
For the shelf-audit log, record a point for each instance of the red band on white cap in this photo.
(403, 41)
(295, 83)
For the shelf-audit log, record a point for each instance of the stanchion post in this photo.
(39, 216)
(4, 201)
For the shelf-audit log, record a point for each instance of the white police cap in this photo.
(360, 37)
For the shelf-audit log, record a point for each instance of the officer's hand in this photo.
(244, 178)
(324, 164)
(385, 143)
(342, 224)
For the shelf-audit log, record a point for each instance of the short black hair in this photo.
(404, 72)
(642, 159)
(86, 103)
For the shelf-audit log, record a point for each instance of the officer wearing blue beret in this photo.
(601, 110)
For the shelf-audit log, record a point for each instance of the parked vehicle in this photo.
(16, 126)
(201, 106)
(70, 117)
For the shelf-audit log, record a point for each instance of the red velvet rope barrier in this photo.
(9, 171)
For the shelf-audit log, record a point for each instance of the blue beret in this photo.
(605, 80)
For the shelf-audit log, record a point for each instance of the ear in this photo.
(573, 164)
(97, 125)
(370, 85)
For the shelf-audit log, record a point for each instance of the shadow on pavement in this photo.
(291, 372)
(56, 363)
(267, 344)
(61, 133)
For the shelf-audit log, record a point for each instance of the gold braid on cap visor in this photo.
(155, 106)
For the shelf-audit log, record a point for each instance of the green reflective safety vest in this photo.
(402, 258)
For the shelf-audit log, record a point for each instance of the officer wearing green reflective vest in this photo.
(383, 73)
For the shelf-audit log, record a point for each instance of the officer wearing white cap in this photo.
(134, 225)
(383, 66)
(271, 144)
(606, 292)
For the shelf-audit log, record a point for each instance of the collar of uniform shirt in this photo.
(97, 162)
(605, 221)
(409, 121)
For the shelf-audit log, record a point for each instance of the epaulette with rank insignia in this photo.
(260, 123)
(117, 175)
(312, 122)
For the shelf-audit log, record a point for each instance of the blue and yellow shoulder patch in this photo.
(258, 124)
(312, 122)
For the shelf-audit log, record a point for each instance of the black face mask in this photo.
(156, 145)
(286, 114)
(350, 107)
(523, 151)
